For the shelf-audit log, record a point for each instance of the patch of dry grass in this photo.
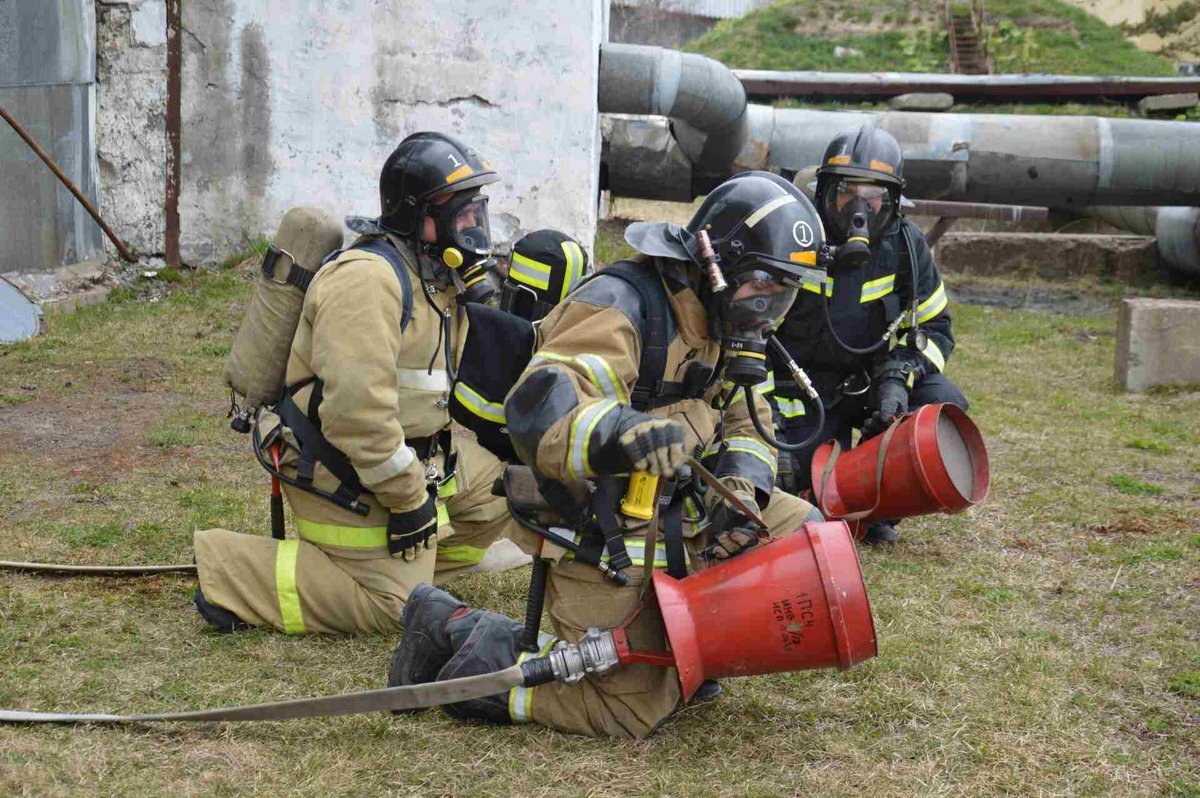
(1045, 643)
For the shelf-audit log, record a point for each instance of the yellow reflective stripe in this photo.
(931, 352)
(529, 271)
(790, 408)
(471, 554)
(443, 515)
(286, 554)
(458, 174)
(448, 488)
(350, 537)
(635, 547)
(763, 388)
(581, 430)
(877, 289)
(753, 447)
(520, 699)
(768, 207)
(932, 306)
(815, 287)
(601, 374)
(574, 266)
(477, 404)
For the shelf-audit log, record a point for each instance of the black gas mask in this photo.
(463, 244)
(745, 314)
(856, 213)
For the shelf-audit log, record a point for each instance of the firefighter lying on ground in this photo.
(625, 380)
(365, 421)
(837, 336)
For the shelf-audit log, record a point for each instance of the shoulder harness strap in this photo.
(644, 279)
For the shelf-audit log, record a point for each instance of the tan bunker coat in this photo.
(586, 367)
(381, 390)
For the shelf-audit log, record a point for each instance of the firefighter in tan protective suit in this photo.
(589, 405)
(384, 497)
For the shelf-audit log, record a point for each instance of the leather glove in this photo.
(730, 533)
(653, 444)
(785, 472)
(408, 532)
(890, 400)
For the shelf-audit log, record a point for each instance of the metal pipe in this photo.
(66, 181)
(174, 117)
(704, 100)
(765, 83)
(979, 210)
(1177, 230)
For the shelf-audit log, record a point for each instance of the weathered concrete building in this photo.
(299, 101)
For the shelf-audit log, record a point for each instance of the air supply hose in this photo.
(812, 399)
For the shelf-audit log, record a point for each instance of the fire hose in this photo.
(597, 653)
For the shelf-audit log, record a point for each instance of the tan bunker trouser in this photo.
(629, 702)
(339, 576)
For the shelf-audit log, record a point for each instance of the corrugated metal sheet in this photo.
(709, 9)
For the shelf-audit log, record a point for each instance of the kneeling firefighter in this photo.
(544, 267)
(383, 497)
(883, 286)
(627, 378)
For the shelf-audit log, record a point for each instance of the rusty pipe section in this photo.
(1176, 228)
(704, 102)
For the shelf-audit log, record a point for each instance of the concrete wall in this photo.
(47, 71)
(299, 101)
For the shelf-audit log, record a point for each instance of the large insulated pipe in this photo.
(703, 99)
(1067, 162)
(1176, 228)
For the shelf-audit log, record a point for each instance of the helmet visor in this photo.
(466, 224)
(844, 200)
(755, 303)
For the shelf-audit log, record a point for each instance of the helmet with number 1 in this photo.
(435, 175)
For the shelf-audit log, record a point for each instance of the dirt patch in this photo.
(1021, 298)
(91, 436)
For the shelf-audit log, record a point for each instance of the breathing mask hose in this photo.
(812, 399)
(895, 325)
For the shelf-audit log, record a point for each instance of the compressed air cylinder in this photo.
(258, 360)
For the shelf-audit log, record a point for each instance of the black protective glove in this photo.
(890, 399)
(410, 531)
(785, 472)
(652, 444)
(729, 533)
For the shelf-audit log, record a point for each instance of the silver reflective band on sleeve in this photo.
(396, 463)
(603, 377)
(520, 699)
(423, 380)
(767, 207)
(877, 289)
(932, 306)
(581, 430)
(934, 355)
(753, 447)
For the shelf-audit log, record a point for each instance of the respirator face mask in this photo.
(464, 244)
(857, 214)
(748, 312)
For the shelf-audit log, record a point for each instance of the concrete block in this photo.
(1158, 343)
(1168, 103)
(1049, 256)
(922, 101)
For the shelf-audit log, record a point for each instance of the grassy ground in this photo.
(1045, 643)
(893, 35)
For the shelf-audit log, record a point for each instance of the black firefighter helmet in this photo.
(544, 267)
(861, 173)
(425, 168)
(765, 237)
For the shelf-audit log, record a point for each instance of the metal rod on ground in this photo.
(66, 181)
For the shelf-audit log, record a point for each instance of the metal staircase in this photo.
(968, 45)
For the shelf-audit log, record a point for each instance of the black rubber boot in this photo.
(881, 533)
(426, 646)
(218, 617)
(709, 690)
(484, 642)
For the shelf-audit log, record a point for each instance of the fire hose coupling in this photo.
(595, 654)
